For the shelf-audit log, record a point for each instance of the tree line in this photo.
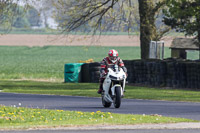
(14, 15)
(153, 18)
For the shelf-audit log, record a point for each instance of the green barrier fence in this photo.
(72, 72)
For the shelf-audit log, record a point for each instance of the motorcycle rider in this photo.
(108, 62)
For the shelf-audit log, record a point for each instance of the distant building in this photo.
(180, 46)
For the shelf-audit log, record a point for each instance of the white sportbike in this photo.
(113, 87)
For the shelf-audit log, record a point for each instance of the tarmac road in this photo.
(128, 106)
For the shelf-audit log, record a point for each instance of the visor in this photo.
(113, 58)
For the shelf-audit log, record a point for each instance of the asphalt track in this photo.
(129, 106)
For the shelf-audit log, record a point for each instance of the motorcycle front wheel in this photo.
(117, 98)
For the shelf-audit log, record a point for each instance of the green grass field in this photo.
(20, 62)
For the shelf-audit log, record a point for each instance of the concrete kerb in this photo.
(139, 126)
(193, 125)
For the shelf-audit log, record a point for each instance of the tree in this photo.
(33, 17)
(101, 15)
(9, 12)
(21, 22)
(6, 13)
(148, 10)
(45, 9)
(184, 16)
(20, 19)
(113, 19)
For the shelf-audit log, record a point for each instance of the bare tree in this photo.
(106, 15)
(95, 15)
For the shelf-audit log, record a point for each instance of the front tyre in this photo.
(117, 99)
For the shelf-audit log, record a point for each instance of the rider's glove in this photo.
(103, 74)
(126, 74)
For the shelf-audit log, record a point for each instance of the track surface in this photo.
(129, 106)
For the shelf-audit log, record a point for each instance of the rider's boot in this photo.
(100, 88)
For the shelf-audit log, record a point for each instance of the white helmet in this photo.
(113, 55)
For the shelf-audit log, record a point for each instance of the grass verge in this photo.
(23, 118)
(90, 89)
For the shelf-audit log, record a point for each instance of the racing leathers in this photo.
(105, 64)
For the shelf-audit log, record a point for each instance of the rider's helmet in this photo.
(113, 55)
